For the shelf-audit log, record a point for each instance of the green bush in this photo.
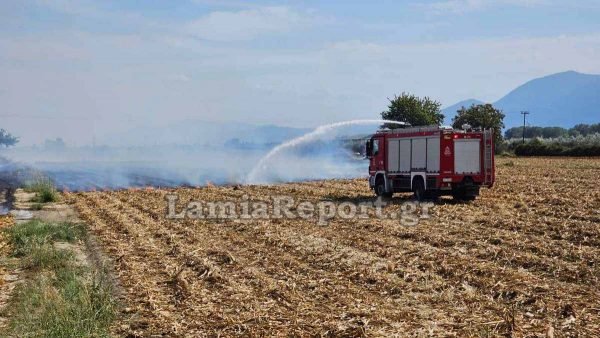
(562, 146)
(45, 189)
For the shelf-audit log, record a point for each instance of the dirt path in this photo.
(23, 208)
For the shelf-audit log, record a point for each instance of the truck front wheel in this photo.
(380, 188)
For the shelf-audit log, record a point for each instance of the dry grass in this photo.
(521, 260)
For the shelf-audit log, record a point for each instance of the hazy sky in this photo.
(81, 68)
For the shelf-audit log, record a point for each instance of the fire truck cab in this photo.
(431, 161)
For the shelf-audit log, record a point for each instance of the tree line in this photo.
(552, 132)
(563, 146)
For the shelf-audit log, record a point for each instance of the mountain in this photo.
(562, 99)
(449, 112)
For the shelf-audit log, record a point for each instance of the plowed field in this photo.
(523, 259)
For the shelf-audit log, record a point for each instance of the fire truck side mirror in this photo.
(369, 148)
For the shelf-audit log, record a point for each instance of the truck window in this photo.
(375, 147)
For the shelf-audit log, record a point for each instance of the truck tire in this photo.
(419, 188)
(463, 197)
(467, 191)
(380, 188)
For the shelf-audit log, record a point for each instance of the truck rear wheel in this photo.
(467, 191)
(463, 197)
(419, 189)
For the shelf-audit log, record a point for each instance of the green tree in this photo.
(414, 110)
(7, 139)
(585, 129)
(513, 132)
(481, 116)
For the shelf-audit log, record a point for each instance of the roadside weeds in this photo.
(60, 295)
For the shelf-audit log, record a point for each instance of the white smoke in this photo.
(320, 154)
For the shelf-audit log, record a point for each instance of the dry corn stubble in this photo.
(522, 259)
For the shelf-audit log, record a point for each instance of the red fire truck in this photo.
(431, 161)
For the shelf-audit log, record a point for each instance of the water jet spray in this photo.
(254, 176)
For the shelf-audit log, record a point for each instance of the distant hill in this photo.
(562, 99)
(189, 132)
(449, 112)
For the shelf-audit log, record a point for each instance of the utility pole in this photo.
(524, 113)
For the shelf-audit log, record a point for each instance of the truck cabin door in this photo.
(375, 153)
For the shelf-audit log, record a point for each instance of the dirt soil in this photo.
(521, 260)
